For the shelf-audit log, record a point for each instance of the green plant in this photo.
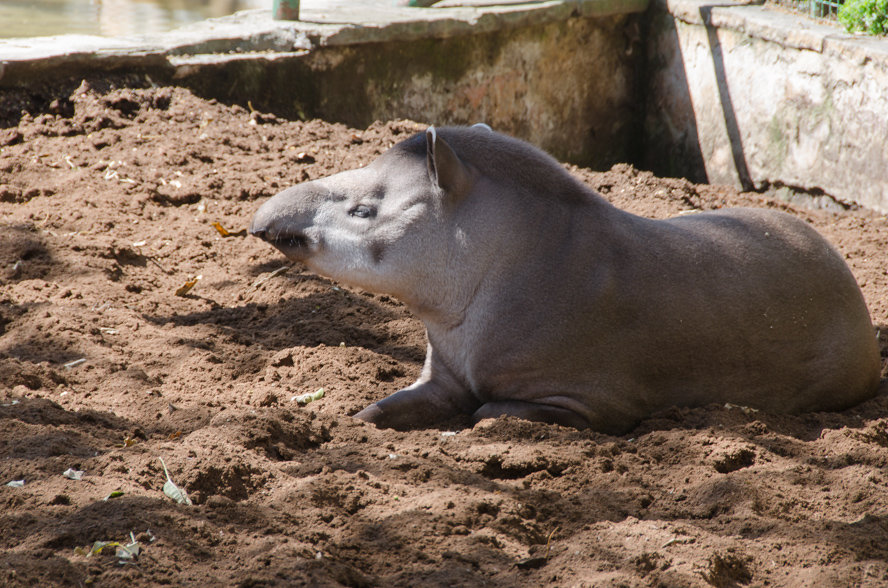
(868, 16)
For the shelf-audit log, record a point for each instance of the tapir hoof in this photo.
(371, 414)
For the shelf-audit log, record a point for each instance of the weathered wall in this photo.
(567, 86)
(751, 97)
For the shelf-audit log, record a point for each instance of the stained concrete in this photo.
(756, 98)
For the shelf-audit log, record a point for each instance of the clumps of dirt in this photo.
(728, 570)
(278, 435)
(108, 199)
(733, 460)
(876, 432)
(86, 112)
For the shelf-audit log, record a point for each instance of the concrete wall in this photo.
(756, 98)
(568, 87)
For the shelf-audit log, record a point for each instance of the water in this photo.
(110, 18)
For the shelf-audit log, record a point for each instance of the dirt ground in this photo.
(107, 204)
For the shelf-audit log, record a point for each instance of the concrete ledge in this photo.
(773, 25)
(325, 23)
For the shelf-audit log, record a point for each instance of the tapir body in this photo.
(542, 300)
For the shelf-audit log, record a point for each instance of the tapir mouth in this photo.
(294, 245)
(297, 241)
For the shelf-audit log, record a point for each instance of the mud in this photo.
(107, 204)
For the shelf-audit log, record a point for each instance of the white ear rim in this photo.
(431, 140)
(483, 127)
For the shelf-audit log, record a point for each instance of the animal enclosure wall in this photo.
(755, 98)
(568, 87)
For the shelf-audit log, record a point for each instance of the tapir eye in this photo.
(362, 211)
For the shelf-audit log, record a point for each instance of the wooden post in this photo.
(286, 10)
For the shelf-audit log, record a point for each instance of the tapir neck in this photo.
(476, 262)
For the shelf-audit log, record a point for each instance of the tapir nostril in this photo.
(256, 231)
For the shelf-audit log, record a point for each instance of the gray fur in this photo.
(542, 300)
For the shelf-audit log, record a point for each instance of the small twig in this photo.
(267, 277)
(157, 263)
(549, 541)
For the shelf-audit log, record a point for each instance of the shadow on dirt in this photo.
(23, 254)
(43, 356)
(40, 569)
(34, 252)
(318, 318)
(533, 514)
(36, 428)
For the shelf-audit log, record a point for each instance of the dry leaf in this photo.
(226, 233)
(187, 286)
(171, 490)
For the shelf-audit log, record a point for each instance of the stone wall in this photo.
(756, 98)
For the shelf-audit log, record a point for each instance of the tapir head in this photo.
(381, 227)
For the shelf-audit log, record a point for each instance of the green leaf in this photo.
(306, 398)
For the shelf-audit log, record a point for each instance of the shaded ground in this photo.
(106, 205)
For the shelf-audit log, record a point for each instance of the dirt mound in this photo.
(108, 199)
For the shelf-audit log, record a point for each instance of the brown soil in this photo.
(106, 205)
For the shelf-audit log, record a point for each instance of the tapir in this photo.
(543, 301)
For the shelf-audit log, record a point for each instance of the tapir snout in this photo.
(279, 231)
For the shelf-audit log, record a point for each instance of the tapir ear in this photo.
(445, 168)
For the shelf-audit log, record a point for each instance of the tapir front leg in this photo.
(435, 397)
